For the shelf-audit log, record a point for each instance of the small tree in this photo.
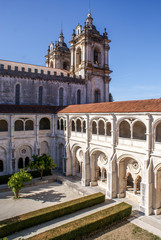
(42, 163)
(16, 181)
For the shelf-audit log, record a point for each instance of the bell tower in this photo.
(59, 54)
(89, 59)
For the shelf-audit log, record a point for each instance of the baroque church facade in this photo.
(63, 110)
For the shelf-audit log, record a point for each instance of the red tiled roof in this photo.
(150, 105)
(8, 108)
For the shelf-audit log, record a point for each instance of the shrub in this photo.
(87, 224)
(42, 163)
(16, 181)
(30, 219)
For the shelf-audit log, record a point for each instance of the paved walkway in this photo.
(54, 192)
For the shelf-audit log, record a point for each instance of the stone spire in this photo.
(89, 19)
(61, 37)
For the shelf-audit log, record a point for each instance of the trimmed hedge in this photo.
(30, 219)
(35, 174)
(87, 224)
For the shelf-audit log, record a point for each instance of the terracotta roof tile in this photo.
(150, 105)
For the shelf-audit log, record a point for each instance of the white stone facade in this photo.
(120, 152)
(106, 155)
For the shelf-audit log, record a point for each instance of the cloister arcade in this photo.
(129, 174)
(119, 153)
(133, 129)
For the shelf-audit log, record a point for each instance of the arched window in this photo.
(40, 95)
(78, 57)
(27, 161)
(101, 128)
(97, 96)
(73, 126)
(29, 125)
(61, 97)
(78, 125)
(94, 128)
(79, 96)
(58, 125)
(84, 126)
(124, 130)
(3, 126)
(139, 130)
(44, 124)
(66, 65)
(96, 58)
(61, 124)
(20, 163)
(108, 129)
(158, 133)
(17, 94)
(19, 125)
(1, 166)
(130, 183)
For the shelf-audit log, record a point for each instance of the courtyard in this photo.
(48, 194)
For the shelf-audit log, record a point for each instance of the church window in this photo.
(27, 161)
(84, 126)
(94, 128)
(97, 96)
(158, 133)
(61, 124)
(73, 126)
(19, 125)
(44, 124)
(61, 93)
(124, 130)
(58, 125)
(79, 96)
(78, 125)
(78, 56)
(17, 94)
(40, 95)
(20, 163)
(66, 65)
(3, 126)
(96, 56)
(1, 166)
(101, 128)
(139, 131)
(108, 129)
(29, 125)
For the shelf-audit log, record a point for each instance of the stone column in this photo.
(36, 132)
(52, 146)
(67, 148)
(72, 68)
(12, 165)
(146, 185)
(86, 157)
(111, 191)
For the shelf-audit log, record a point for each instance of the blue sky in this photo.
(134, 26)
